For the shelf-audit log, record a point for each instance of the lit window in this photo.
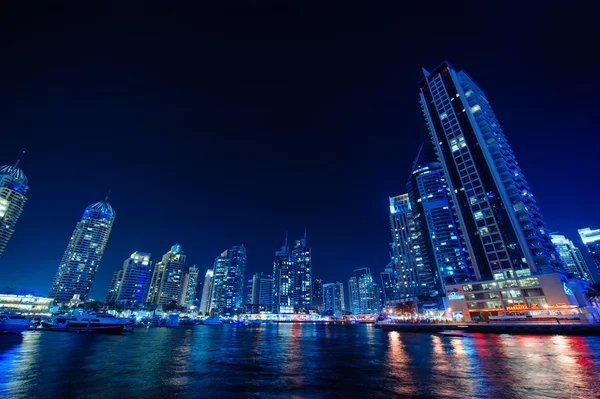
(475, 108)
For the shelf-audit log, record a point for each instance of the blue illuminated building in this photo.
(13, 187)
(130, 283)
(80, 262)
(228, 281)
(292, 278)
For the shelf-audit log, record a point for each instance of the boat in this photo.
(212, 321)
(172, 321)
(11, 323)
(87, 322)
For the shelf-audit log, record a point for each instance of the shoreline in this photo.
(496, 328)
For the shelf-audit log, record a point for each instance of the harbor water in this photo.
(296, 361)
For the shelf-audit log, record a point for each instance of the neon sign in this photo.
(453, 296)
(520, 306)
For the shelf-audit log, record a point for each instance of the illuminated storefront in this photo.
(25, 304)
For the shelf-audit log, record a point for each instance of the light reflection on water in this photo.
(296, 361)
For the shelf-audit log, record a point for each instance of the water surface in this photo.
(296, 361)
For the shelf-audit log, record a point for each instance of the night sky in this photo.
(223, 126)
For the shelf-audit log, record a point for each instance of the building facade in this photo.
(188, 288)
(333, 299)
(13, 187)
(292, 278)
(591, 239)
(205, 300)
(389, 284)
(572, 258)
(318, 294)
(402, 227)
(364, 293)
(228, 281)
(262, 290)
(129, 284)
(167, 278)
(80, 262)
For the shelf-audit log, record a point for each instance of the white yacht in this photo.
(11, 323)
(212, 321)
(99, 322)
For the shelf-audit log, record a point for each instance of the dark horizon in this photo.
(216, 126)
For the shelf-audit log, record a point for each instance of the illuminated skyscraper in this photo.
(389, 281)
(129, 283)
(13, 187)
(571, 257)
(187, 295)
(318, 294)
(81, 260)
(506, 236)
(402, 227)
(205, 301)
(364, 294)
(437, 248)
(167, 278)
(591, 239)
(292, 278)
(228, 281)
(333, 299)
(262, 290)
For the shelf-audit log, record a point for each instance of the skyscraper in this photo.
(13, 187)
(292, 278)
(332, 299)
(591, 239)
(228, 281)
(81, 259)
(167, 278)
(318, 294)
(364, 294)
(262, 290)
(437, 248)
(188, 288)
(129, 283)
(205, 301)
(389, 281)
(571, 257)
(506, 236)
(340, 290)
(402, 226)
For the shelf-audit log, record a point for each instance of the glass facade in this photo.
(572, 258)
(129, 283)
(167, 278)
(80, 262)
(591, 239)
(402, 228)
(207, 287)
(364, 294)
(13, 187)
(292, 278)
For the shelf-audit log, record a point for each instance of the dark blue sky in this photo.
(228, 125)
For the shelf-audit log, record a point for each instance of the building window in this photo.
(529, 282)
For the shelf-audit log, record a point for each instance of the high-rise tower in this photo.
(228, 281)
(292, 278)
(506, 235)
(81, 260)
(571, 257)
(591, 239)
(13, 187)
(167, 278)
(129, 283)
(364, 294)
(206, 292)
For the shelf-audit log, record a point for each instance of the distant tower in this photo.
(206, 292)
(129, 283)
(262, 290)
(571, 257)
(228, 281)
(167, 278)
(333, 299)
(188, 287)
(80, 262)
(13, 187)
(292, 278)
(364, 294)
(318, 294)
(591, 239)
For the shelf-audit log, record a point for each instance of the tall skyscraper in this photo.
(187, 295)
(437, 247)
(571, 257)
(402, 226)
(303, 289)
(205, 301)
(389, 281)
(167, 278)
(249, 284)
(228, 281)
(506, 236)
(340, 290)
(332, 299)
(80, 262)
(129, 283)
(318, 294)
(591, 239)
(364, 294)
(292, 278)
(13, 187)
(262, 290)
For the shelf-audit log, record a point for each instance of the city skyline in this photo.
(344, 129)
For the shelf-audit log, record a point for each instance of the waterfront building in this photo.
(228, 281)
(389, 281)
(292, 278)
(318, 294)
(340, 290)
(571, 257)
(23, 302)
(13, 187)
(262, 290)
(437, 247)
(364, 294)
(591, 239)
(205, 300)
(506, 242)
(505, 234)
(402, 226)
(188, 288)
(167, 278)
(129, 284)
(332, 299)
(80, 262)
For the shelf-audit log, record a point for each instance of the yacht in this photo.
(11, 323)
(89, 322)
(212, 321)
